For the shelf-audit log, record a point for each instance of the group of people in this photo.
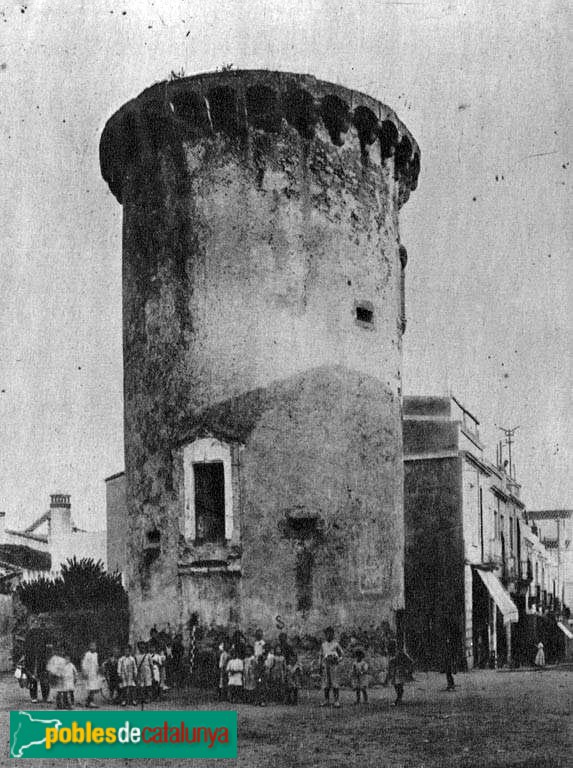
(255, 672)
(136, 675)
(51, 669)
(128, 678)
(258, 672)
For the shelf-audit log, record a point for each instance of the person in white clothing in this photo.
(90, 670)
(259, 644)
(69, 681)
(235, 670)
(540, 656)
(330, 655)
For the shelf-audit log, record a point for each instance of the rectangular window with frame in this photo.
(208, 491)
(209, 501)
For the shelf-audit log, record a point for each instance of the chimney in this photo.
(2, 527)
(60, 516)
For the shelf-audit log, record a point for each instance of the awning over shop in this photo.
(566, 631)
(500, 597)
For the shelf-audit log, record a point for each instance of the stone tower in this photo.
(263, 314)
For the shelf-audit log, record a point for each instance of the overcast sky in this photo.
(481, 84)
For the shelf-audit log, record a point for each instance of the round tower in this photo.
(263, 312)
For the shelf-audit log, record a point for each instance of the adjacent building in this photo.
(263, 305)
(555, 530)
(20, 558)
(475, 567)
(38, 551)
(51, 539)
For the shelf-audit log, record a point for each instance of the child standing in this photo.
(111, 674)
(330, 655)
(400, 669)
(540, 656)
(235, 670)
(224, 657)
(261, 679)
(250, 675)
(293, 678)
(56, 665)
(69, 680)
(90, 670)
(259, 645)
(144, 673)
(277, 674)
(127, 672)
(359, 677)
(157, 662)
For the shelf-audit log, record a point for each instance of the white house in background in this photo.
(55, 534)
(555, 529)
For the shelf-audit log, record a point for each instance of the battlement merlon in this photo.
(237, 102)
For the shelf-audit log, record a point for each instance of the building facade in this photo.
(263, 313)
(476, 569)
(554, 528)
(553, 594)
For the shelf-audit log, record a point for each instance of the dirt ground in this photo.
(520, 718)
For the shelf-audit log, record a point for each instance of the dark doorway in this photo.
(480, 621)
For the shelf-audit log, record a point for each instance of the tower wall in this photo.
(262, 265)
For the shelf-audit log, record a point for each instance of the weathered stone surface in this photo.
(262, 306)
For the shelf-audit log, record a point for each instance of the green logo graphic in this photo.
(119, 734)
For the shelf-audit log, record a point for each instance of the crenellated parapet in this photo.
(238, 103)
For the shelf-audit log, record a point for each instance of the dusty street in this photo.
(518, 718)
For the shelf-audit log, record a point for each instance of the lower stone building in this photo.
(288, 517)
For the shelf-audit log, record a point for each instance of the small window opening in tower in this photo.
(153, 538)
(364, 313)
(209, 501)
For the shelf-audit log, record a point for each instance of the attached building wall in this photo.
(435, 582)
